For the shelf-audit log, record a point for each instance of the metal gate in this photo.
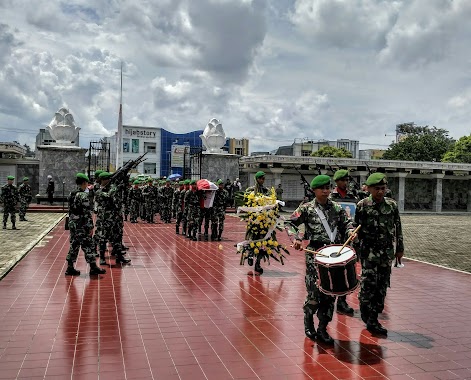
(192, 163)
(99, 155)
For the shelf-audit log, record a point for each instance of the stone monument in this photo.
(217, 163)
(62, 159)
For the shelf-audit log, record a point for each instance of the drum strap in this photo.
(332, 234)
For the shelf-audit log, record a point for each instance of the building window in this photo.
(125, 145)
(305, 153)
(239, 151)
(149, 147)
(150, 168)
(135, 145)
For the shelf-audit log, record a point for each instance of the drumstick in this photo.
(315, 252)
(348, 241)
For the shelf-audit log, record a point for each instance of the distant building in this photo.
(305, 147)
(44, 138)
(371, 154)
(238, 146)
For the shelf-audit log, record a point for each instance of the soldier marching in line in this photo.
(26, 195)
(193, 203)
(325, 223)
(9, 196)
(381, 241)
(343, 191)
(109, 219)
(81, 228)
(219, 211)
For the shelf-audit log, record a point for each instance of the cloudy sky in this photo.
(269, 70)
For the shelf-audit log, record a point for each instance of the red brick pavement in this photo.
(188, 310)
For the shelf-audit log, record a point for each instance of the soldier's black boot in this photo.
(194, 236)
(309, 328)
(258, 268)
(219, 235)
(365, 313)
(322, 334)
(22, 219)
(373, 325)
(250, 260)
(4, 226)
(102, 258)
(71, 271)
(125, 218)
(13, 227)
(184, 230)
(342, 305)
(95, 269)
(205, 234)
(121, 259)
(177, 229)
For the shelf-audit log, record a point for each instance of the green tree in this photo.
(420, 144)
(330, 151)
(461, 151)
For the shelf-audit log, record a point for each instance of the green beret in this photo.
(131, 180)
(339, 174)
(320, 180)
(150, 180)
(98, 172)
(104, 175)
(186, 182)
(10, 178)
(83, 176)
(25, 179)
(376, 179)
(219, 181)
(192, 182)
(136, 182)
(259, 174)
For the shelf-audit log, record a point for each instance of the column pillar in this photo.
(276, 175)
(469, 196)
(401, 196)
(438, 198)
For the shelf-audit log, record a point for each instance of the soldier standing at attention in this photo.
(81, 228)
(26, 196)
(176, 205)
(193, 203)
(167, 195)
(342, 191)
(325, 223)
(9, 197)
(219, 211)
(183, 198)
(135, 199)
(380, 231)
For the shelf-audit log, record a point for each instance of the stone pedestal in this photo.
(214, 166)
(62, 163)
(438, 198)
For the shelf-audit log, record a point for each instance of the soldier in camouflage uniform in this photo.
(135, 199)
(126, 199)
(9, 196)
(81, 228)
(193, 203)
(166, 204)
(109, 218)
(205, 216)
(380, 231)
(26, 196)
(149, 194)
(363, 193)
(343, 191)
(183, 198)
(219, 211)
(177, 205)
(176, 199)
(340, 227)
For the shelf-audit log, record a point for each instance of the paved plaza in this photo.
(188, 310)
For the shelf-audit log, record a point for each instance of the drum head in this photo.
(346, 255)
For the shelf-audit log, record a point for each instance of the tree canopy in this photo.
(420, 144)
(460, 152)
(330, 151)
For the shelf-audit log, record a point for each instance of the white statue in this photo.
(213, 137)
(62, 127)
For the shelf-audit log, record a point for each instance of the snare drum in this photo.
(337, 276)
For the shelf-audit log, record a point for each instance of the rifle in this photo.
(369, 170)
(121, 175)
(308, 193)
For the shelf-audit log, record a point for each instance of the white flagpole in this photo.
(119, 142)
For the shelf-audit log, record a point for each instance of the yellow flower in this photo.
(258, 244)
(256, 251)
(270, 242)
(252, 245)
(276, 244)
(269, 251)
(264, 243)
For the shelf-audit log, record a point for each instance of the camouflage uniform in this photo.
(149, 193)
(193, 215)
(184, 198)
(178, 207)
(135, 199)
(81, 227)
(166, 204)
(9, 196)
(380, 230)
(219, 213)
(316, 301)
(108, 210)
(25, 194)
(175, 202)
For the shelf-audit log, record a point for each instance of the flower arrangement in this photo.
(262, 216)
